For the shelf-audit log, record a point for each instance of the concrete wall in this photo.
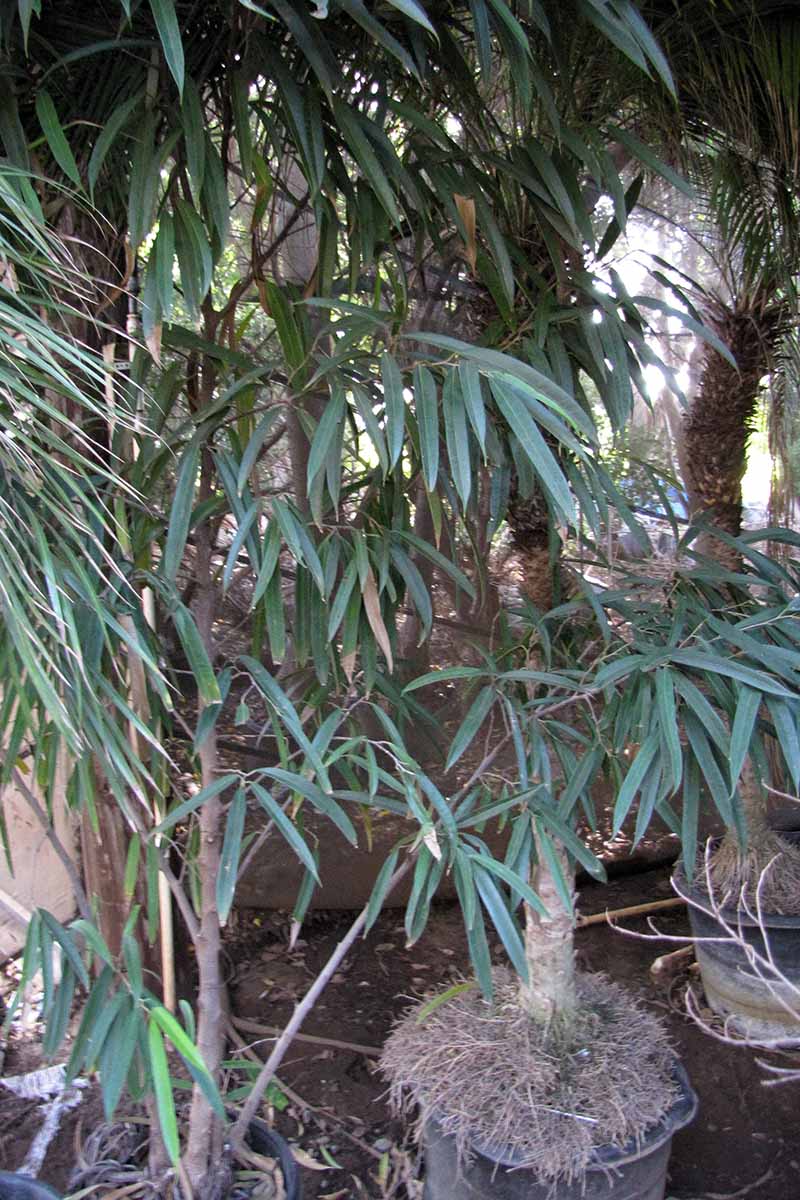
(39, 879)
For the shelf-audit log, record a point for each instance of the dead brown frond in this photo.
(490, 1076)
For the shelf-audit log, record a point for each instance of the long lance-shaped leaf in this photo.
(394, 401)
(229, 858)
(457, 436)
(468, 730)
(51, 127)
(272, 691)
(181, 510)
(744, 721)
(425, 400)
(634, 779)
(286, 827)
(162, 1086)
(492, 362)
(170, 35)
(539, 454)
(719, 665)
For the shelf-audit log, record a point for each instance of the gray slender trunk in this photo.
(204, 1148)
(549, 994)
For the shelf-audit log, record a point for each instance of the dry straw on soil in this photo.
(492, 1076)
(765, 875)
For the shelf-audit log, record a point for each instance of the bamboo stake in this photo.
(634, 910)
(271, 1031)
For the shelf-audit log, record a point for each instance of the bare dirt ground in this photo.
(744, 1142)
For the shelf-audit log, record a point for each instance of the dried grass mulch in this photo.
(492, 1077)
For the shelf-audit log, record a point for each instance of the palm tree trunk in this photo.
(719, 421)
(530, 522)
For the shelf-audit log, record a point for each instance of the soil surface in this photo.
(744, 1142)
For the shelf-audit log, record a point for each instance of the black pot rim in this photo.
(277, 1147)
(36, 1189)
(697, 897)
(604, 1158)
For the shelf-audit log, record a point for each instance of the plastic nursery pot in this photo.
(732, 985)
(635, 1172)
(24, 1187)
(266, 1141)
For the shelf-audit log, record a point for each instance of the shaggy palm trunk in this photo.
(715, 433)
(719, 421)
(530, 522)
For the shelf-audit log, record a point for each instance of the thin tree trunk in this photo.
(204, 1149)
(103, 855)
(549, 994)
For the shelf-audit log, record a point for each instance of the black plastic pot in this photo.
(731, 985)
(24, 1187)
(635, 1172)
(266, 1141)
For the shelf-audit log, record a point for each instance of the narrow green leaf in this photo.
(195, 651)
(181, 510)
(132, 865)
(443, 675)
(634, 779)
(162, 1086)
(470, 380)
(394, 400)
(415, 12)
(380, 890)
(456, 436)
(744, 721)
(53, 131)
(426, 403)
(170, 35)
(189, 806)
(690, 816)
(720, 788)
(231, 850)
(65, 941)
(272, 691)
(572, 843)
(668, 724)
(417, 590)
(116, 1052)
(502, 920)
(719, 665)
(107, 136)
(784, 718)
(517, 884)
(524, 429)
(645, 155)
(552, 861)
(371, 424)
(468, 730)
(286, 828)
(324, 435)
(95, 1003)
